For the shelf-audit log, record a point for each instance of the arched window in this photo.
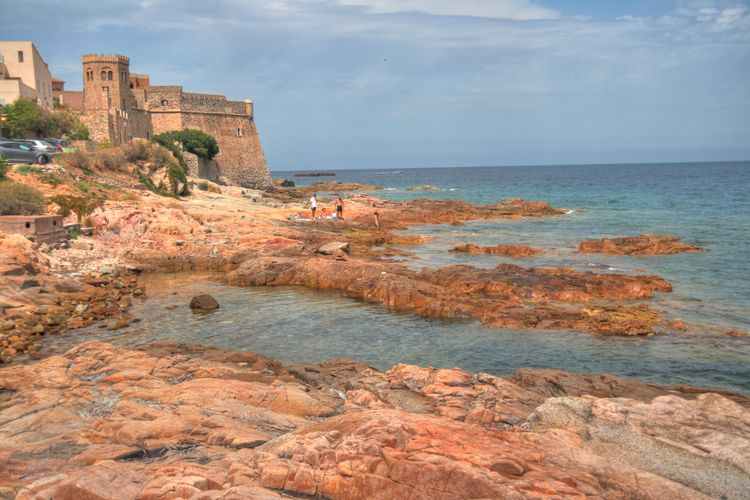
(90, 75)
(164, 102)
(103, 75)
(109, 75)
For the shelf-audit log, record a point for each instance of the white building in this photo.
(23, 73)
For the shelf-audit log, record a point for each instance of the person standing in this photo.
(313, 205)
(339, 208)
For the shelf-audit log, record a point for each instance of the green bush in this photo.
(28, 169)
(82, 206)
(27, 119)
(3, 168)
(177, 175)
(20, 199)
(110, 159)
(194, 141)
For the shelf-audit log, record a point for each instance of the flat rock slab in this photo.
(642, 244)
(331, 248)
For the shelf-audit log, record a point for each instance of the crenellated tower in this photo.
(106, 82)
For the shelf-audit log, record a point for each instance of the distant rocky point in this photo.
(316, 174)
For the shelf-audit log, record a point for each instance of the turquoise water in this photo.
(295, 325)
(705, 204)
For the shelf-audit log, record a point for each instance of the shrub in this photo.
(137, 150)
(177, 175)
(82, 186)
(77, 159)
(203, 186)
(3, 168)
(82, 206)
(110, 159)
(28, 169)
(20, 199)
(140, 150)
(27, 119)
(194, 141)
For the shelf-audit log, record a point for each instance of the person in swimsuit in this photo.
(313, 205)
(339, 208)
(377, 216)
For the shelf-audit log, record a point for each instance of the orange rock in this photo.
(643, 244)
(516, 251)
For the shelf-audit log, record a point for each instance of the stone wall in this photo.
(241, 159)
(201, 167)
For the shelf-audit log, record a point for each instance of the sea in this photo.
(707, 204)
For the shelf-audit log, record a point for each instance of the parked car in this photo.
(58, 143)
(41, 145)
(19, 152)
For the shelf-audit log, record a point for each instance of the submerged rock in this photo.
(643, 244)
(516, 251)
(506, 296)
(204, 303)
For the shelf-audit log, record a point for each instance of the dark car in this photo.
(19, 152)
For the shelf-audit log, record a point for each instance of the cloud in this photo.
(519, 10)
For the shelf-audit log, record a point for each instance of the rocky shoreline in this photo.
(186, 421)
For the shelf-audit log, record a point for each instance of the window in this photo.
(90, 74)
(164, 102)
(103, 75)
(148, 135)
(109, 75)
(20, 56)
(122, 76)
(131, 85)
(27, 225)
(239, 133)
(54, 222)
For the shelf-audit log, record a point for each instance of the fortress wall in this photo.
(207, 103)
(241, 158)
(164, 121)
(98, 123)
(237, 107)
(139, 124)
(163, 98)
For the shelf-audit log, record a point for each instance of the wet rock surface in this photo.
(508, 295)
(35, 302)
(643, 244)
(516, 251)
(204, 303)
(186, 421)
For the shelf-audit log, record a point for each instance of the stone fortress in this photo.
(119, 106)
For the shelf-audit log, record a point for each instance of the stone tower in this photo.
(106, 82)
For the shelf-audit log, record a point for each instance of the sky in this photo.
(435, 83)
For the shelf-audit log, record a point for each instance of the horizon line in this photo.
(514, 165)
